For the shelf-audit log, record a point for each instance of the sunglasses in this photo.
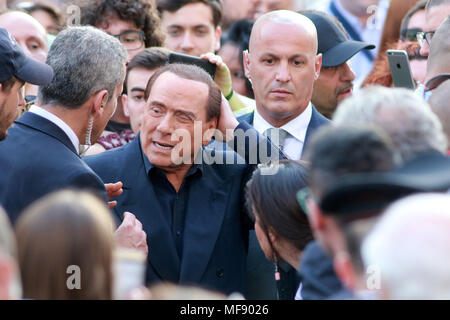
(436, 81)
(421, 36)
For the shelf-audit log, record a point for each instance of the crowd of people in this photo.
(295, 171)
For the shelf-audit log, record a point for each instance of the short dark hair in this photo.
(338, 150)
(7, 84)
(150, 59)
(141, 12)
(174, 5)
(48, 7)
(191, 72)
(420, 5)
(272, 197)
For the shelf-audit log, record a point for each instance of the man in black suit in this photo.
(190, 203)
(282, 65)
(41, 153)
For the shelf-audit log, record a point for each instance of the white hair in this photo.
(405, 117)
(410, 246)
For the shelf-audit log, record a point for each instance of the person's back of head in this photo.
(408, 248)
(65, 247)
(271, 196)
(337, 150)
(406, 118)
(439, 58)
(10, 287)
(85, 60)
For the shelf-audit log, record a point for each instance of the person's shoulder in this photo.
(222, 160)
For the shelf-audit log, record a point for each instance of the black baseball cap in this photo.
(334, 44)
(14, 62)
(356, 193)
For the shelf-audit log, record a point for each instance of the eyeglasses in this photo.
(436, 81)
(425, 36)
(410, 34)
(131, 39)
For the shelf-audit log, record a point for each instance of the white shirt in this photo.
(370, 33)
(57, 121)
(293, 145)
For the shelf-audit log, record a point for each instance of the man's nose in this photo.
(187, 44)
(283, 72)
(347, 72)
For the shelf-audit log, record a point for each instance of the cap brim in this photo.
(343, 52)
(356, 192)
(35, 72)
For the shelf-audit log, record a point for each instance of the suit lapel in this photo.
(316, 121)
(39, 123)
(203, 224)
(139, 198)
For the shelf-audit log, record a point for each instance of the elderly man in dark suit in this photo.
(41, 153)
(188, 196)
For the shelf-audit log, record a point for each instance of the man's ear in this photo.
(246, 60)
(100, 100)
(317, 219)
(125, 105)
(218, 33)
(317, 66)
(344, 269)
(210, 131)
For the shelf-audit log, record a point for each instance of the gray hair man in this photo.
(405, 117)
(41, 154)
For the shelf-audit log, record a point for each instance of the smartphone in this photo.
(400, 70)
(187, 59)
(129, 272)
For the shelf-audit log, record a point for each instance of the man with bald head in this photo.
(282, 65)
(30, 35)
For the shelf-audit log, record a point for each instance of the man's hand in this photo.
(227, 120)
(222, 76)
(130, 233)
(113, 190)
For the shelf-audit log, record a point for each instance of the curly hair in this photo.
(141, 12)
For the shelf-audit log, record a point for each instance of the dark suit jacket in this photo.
(317, 120)
(216, 224)
(37, 158)
(260, 281)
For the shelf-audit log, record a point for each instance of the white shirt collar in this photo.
(60, 123)
(297, 127)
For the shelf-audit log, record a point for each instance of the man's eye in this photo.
(34, 45)
(298, 62)
(201, 32)
(268, 61)
(174, 32)
(138, 97)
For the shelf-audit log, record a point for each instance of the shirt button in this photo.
(219, 272)
(178, 233)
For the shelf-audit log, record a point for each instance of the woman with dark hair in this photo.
(281, 226)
